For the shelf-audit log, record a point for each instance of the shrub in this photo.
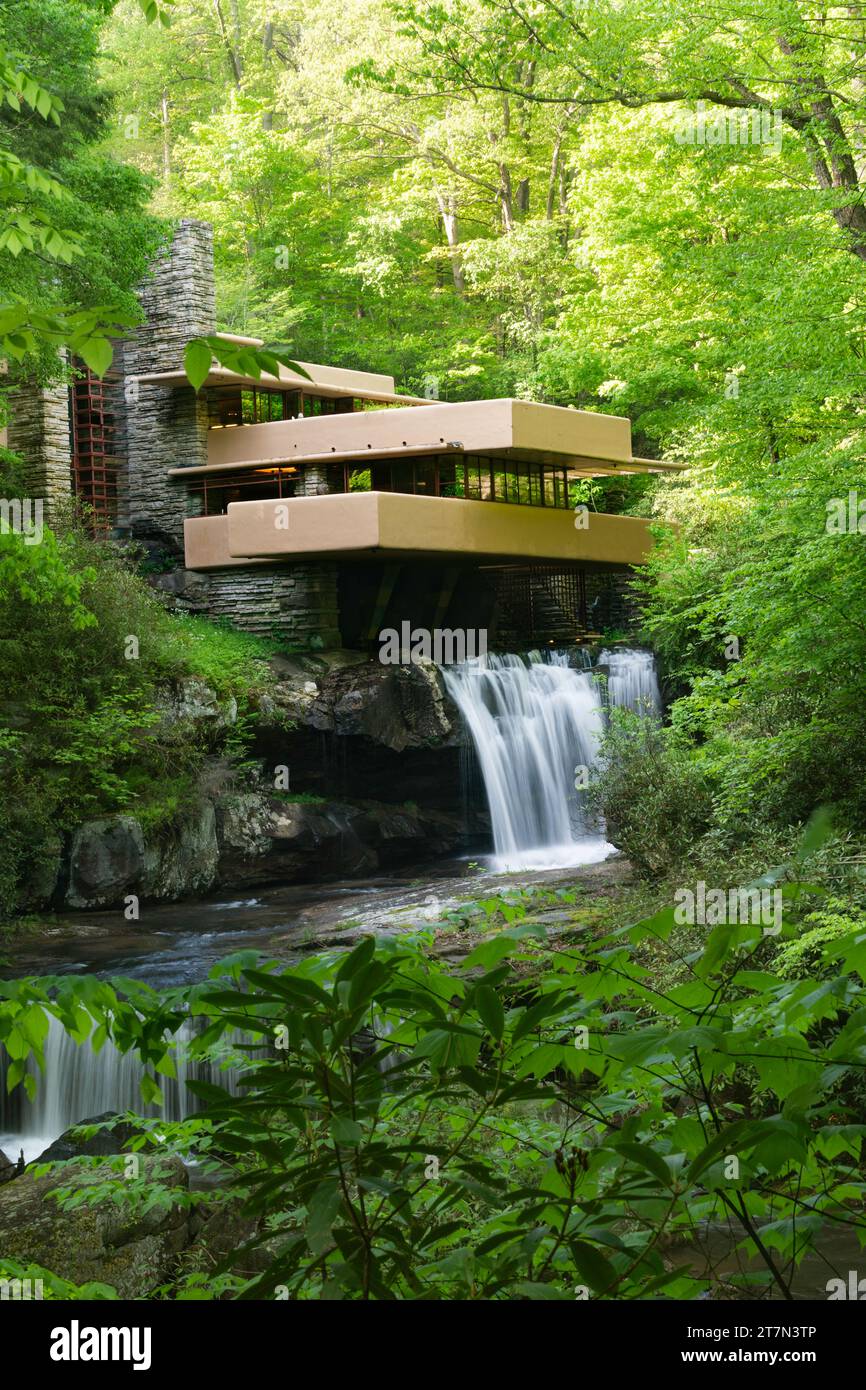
(81, 734)
(805, 957)
(652, 791)
(531, 1122)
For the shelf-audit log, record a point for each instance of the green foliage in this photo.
(83, 727)
(806, 957)
(535, 1121)
(50, 1286)
(74, 238)
(200, 353)
(656, 799)
(231, 661)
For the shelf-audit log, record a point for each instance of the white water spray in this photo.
(534, 723)
(632, 682)
(78, 1084)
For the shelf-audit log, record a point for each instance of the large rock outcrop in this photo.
(105, 859)
(125, 1247)
(266, 840)
(371, 754)
(249, 835)
(397, 707)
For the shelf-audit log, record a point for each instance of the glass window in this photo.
(380, 476)
(473, 478)
(402, 476)
(535, 498)
(425, 476)
(229, 408)
(450, 477)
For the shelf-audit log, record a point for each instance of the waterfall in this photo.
(535, 725)
(632, 682)
(78, 1084)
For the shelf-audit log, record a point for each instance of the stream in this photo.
(533, 721)
(533, 724)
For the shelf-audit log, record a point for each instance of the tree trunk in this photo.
(556, 187)
(832, 159)
(506, 198)
(553, 185)
(232, 52)
(166, 137)
(451, 224)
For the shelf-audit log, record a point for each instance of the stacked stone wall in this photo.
(38, 430)
(297, 603)
(167, 427)
(610, 602)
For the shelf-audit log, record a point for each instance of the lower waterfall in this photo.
(78, 1084)
(535, 725)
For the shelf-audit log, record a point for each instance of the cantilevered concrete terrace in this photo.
(365, 525)
(587, 443)
(401, 482)
(336, 383)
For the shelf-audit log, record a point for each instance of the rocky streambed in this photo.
(177, 943)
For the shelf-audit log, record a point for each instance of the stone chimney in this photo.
(166, 426)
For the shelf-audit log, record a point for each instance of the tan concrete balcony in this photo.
(584, 442)
(364, 525)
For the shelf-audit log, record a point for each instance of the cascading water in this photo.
(534, 723)
(632, 682)
(78, 1084)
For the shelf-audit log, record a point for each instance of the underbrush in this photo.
(542, 1120)
(89, 653)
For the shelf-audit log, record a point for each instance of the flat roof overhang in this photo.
(585, 442)
(369, 525)
(333, 382)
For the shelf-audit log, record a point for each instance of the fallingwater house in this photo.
(325, 510)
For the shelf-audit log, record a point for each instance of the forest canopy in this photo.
(627, 208)
(647, 210)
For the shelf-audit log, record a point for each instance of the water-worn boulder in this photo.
(182, 857)
(266, 839)
(395, 707)
(110, 1243)
(340, 723)
(110, 859)
(191, 700)
(243, 824)
(222, 1236)
(106, 860)
(104, 1142)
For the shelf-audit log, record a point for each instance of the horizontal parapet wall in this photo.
(366, 524)
(562, 433)
(505, 428)
(206, 544)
